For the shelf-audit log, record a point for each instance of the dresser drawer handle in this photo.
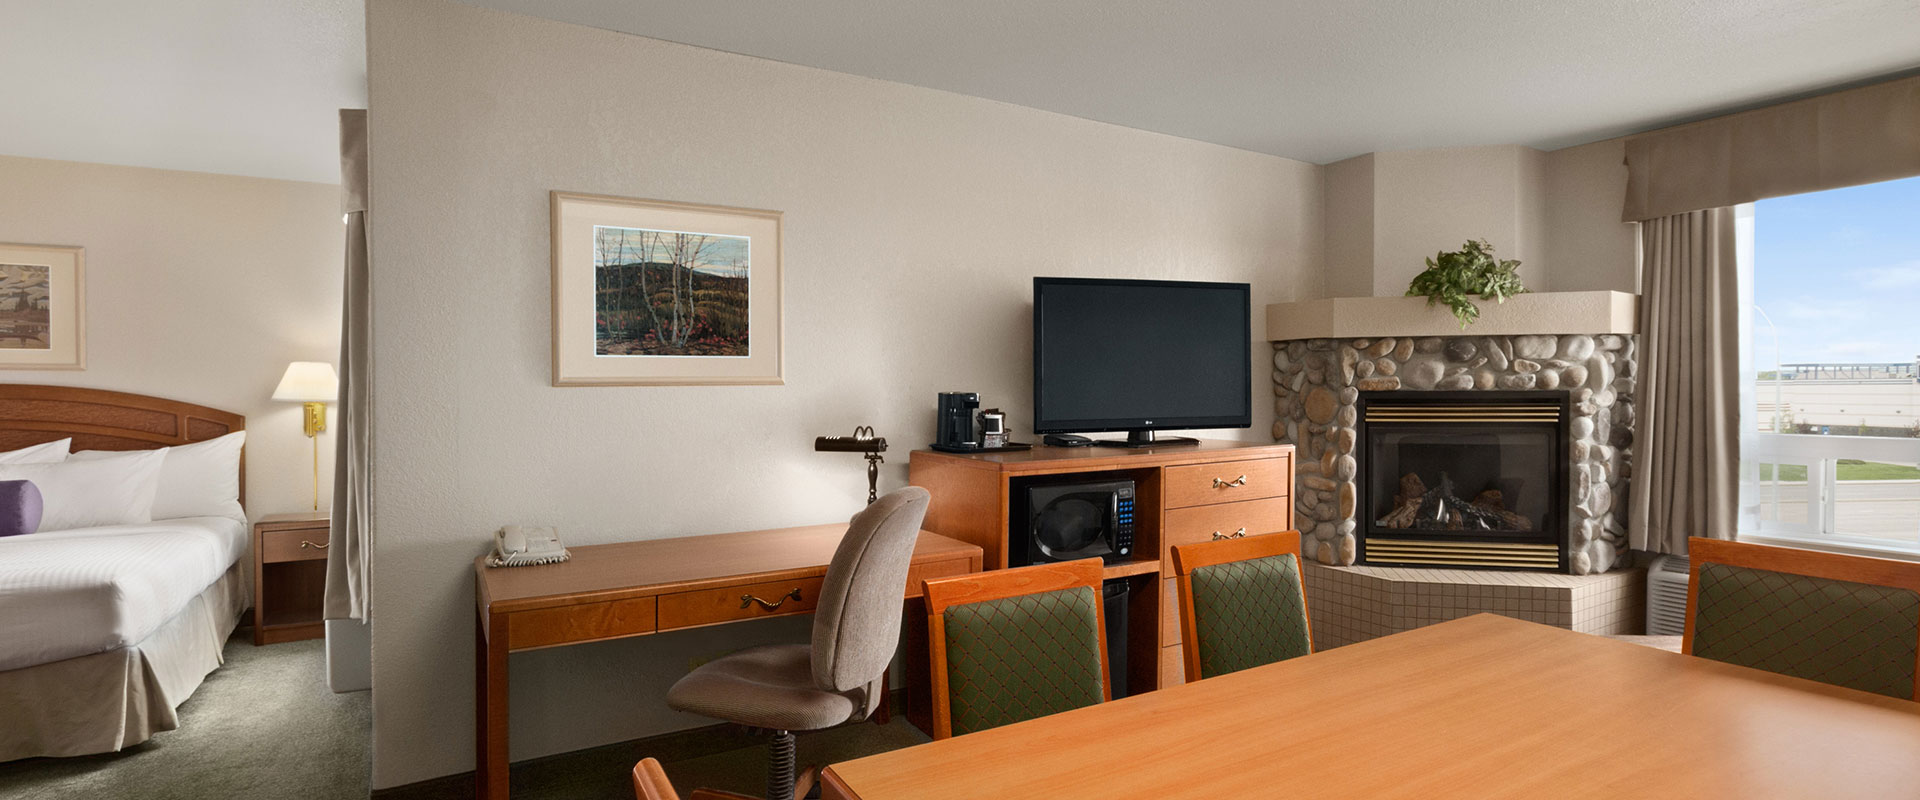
(304, 544)
(1226, 484)
(1239, 534)
(747, 600)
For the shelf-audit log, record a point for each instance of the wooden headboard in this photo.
(101, 420)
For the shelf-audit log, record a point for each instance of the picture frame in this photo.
(663, 293)
(42, 307)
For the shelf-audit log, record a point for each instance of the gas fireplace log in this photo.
(1438, 508)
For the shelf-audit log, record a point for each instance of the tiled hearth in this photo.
(1356, 603)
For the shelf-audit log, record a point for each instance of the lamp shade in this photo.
(308, 382)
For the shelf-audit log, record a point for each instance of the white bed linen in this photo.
(65, 594)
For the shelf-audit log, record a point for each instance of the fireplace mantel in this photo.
(1592, 312)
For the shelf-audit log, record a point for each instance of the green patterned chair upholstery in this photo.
(1249, 613)
(1861, 636)
(1022, 657)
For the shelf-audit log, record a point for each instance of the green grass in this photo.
(1849, 470)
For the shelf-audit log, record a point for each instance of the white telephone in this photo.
(522, 545)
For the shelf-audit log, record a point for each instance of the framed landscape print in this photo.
(42, 307)
(648, 292)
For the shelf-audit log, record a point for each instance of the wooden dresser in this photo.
(1182, 494)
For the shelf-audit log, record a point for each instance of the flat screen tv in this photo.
(1140, 356)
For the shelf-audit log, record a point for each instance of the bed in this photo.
(104, 631)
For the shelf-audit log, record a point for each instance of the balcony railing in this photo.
(1848, 489)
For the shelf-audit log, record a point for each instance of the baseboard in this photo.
(674, 746)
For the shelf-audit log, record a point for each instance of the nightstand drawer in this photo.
(297, 544)
(773, 599)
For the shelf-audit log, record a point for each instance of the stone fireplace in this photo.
(1494, 451)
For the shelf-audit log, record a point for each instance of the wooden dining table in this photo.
(1483, 706)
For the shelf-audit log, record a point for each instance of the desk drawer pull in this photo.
(1225, 484)
(1239, 534)
(747, 600)
(304, 544)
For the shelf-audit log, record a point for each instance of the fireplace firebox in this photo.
(1463, 479)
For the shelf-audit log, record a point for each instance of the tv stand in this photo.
(1203, 491)
(1139, 439)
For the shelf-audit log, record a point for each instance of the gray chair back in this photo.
(856, 626)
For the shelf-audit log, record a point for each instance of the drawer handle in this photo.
(1217, 536)
(304, 544)
(1225, 484)
(747, 600)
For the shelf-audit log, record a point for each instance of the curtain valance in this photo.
(1847, 138)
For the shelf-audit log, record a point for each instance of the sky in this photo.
(1839, 274)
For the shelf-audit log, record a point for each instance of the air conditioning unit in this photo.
(1667, 596)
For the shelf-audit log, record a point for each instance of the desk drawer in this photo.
(586, 622)
(296, 544)
(934, 569)
(708, 606)
(1200, 523)
(1226, 482)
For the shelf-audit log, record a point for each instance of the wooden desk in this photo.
(612, 591)
(1484, 706)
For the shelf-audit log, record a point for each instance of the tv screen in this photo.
(1132, 355)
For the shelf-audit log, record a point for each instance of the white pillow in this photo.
(49, 453)
(196, 480)
(113, 490)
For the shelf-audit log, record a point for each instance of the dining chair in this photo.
(650, 783)
(1242, 603)
(1016, 644)
(841, 676)
(1846, 620)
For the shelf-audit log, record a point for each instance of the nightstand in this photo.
(289, 576)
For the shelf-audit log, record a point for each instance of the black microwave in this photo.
(1071, 521)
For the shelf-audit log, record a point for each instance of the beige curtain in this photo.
(348, 565)
(1686, 447)
(1848, 138)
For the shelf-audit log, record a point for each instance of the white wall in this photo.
(915, 220)
(199, 288)
(1588, 247)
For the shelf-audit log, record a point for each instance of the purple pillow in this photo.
(20, 507)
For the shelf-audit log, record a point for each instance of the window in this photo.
(1831, 365)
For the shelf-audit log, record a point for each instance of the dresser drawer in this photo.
(1226, 482)
(1200, 523)
(708, 606)
(294, 544)
(579, 623)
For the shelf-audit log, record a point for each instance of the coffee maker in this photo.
(955, 425)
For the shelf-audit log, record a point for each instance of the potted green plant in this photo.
(1454, 278)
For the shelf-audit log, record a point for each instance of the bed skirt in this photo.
(108, 701)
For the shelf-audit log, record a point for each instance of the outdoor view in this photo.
(1835, 342)
(669, 293)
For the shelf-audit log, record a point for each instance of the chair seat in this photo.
(766, 687)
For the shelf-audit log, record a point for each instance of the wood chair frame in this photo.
(1795, 561)
(944, 593)
(650, 783)
(1190, 557)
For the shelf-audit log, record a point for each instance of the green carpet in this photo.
(262, 725)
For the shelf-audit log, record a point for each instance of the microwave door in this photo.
(1075, 526)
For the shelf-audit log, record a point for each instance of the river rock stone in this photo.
(1461, 349)
(1428, 344)
(1581, 429)
(1483, 379)
(1280, 361)
(1546, 379)
(1308, 499)
(1345, 416)
(1348, 357)
(1385, 366)
(1279, 429)
(1523, 366)
(1403, 350)
(1348, 395)
(1576, 347)
(1345, 501)
(1346, 550)
(1344, 468)
(1363, 369)
(1607, 341)
(1573, 376)
(1378, 384)
(1343, 440)
(1458, 382)
(1495, 357)
(1517, 382)
(1423, 374)
(1582, 563)
(1316, 377)
(1323, 532)
(1323, 553)
(1317, 482)
(1537, 347)
(1320, 344)
(1320, 405)
(1380, 347)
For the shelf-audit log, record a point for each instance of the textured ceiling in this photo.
(1316, 80)
(243, 87)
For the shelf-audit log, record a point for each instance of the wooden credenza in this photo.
(1181, 494)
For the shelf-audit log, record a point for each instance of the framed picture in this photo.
(42, 307)
(648, 292)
